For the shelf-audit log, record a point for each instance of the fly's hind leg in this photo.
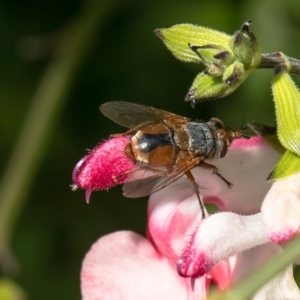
(205, 165)
(192, 179)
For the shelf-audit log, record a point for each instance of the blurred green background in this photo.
(123, 60)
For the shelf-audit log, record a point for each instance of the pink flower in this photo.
(125, 265)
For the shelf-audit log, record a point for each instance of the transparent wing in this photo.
(130, 114)
(154, 179)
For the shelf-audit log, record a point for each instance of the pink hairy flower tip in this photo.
(194, 267)
(104, 167)
(193, 264)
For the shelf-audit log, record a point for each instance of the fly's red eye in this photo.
(218, 124)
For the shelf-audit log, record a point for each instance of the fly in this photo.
(166, 146)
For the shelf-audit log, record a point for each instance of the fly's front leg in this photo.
(205, 165)
(132, 130)
(192, 179)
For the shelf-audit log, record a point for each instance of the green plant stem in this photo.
(246, 289)
(275, 59)
(43, 113)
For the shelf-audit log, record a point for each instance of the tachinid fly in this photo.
(166, 146)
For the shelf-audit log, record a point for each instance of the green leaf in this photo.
(287, 104)
(288, 164)
(177, 39)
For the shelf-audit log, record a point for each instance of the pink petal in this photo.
(219, 237)
(174, 213)
(104, 166)
(124, 265)
(221, 274)
(281, 209)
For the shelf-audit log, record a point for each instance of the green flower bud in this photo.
(228, 60)
(245, 47)
(207, 87)
(213, 54)
(234, 74)
(288, 164)
(287, 105)
(224, 58)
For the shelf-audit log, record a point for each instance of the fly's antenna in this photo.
(243, 126)
(242, 129)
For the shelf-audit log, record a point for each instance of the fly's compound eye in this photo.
(217, 124)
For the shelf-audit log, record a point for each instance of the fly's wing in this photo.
(154, 179)
(131, 115)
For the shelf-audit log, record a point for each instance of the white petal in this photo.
(281, 209)
(219, 237)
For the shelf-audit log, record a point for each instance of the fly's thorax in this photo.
(196, 138)
(154, 145)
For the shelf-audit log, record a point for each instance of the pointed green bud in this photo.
(268, 133)
(207, 87)
(216, 63)
(210, 54)
(234, 74)
(288, 164)
(224, 58)
(215, 70)
(287, 106)
(178, 38)
(245, 47)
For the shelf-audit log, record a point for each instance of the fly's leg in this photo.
(205, 165)
(192, 179)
